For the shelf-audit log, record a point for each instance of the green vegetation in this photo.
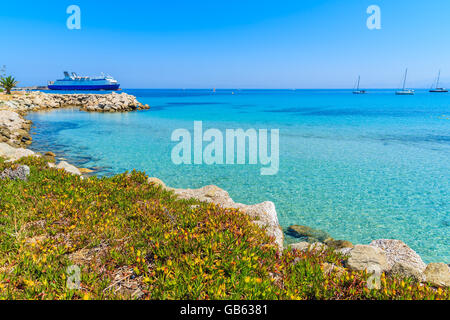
(8, 83)
(129, 236)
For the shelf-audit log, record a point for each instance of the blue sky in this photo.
(229, 44)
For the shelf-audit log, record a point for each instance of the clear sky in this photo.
(229, 43)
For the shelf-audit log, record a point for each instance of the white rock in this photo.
(68, 167)
(301, 246)
(14, 154)
(438, 274)
(363, 257)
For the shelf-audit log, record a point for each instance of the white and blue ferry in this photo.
(74, 82)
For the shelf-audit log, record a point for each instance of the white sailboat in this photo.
(405, 91)
(437, 88)
(358, 91)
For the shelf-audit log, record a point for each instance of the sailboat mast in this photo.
(438, 79)
(357, 87)
(404, 80)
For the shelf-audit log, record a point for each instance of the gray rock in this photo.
(20, 173)
(14, 154)
(363, 257)
(438, 274)
(402, 270)
(338, 244)
(306, 246)
(398, 252)
(344, 251)
(301, 246)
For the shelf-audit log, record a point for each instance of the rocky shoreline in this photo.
(380, 256)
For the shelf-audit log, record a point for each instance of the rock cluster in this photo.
(14, 129)
(21, 172)
(388, 256)
(37, 100)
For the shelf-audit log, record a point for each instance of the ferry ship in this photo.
(74, 82)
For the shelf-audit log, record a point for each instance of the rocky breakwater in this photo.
(36, 100)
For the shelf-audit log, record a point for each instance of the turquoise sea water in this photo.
(360, 167)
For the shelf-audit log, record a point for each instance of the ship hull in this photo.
(84, 87)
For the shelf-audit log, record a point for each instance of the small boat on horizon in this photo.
(437, 88)
(405, 92)
(358, 91)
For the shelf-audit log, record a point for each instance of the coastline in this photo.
(390, 256)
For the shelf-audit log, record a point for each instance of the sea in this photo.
(360, 167)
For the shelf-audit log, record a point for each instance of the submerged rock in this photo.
(20, 173)
(438, 274)
(309, 234)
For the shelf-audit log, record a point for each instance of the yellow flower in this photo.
(29, 283)
(86, 296)
(247, 279)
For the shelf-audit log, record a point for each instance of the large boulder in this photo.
(438, 274)
(398, 252)
(307, 233)
(364, 257)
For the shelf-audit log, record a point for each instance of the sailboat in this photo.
(358, 91)
(405, 91)
(437, 89)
